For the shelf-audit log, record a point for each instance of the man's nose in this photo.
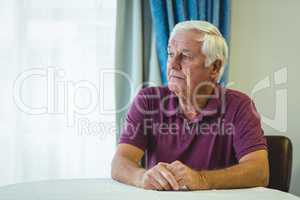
(175, 63)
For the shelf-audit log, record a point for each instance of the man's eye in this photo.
(170, 54)
(186, 56)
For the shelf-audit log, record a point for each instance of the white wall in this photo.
(265, 38)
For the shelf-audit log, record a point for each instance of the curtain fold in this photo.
(135, 57)
(167, 13)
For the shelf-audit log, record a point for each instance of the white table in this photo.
(106, 189)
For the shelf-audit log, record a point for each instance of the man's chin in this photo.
(175, 89)
(172, 87)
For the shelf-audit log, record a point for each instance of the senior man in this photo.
(193, 134)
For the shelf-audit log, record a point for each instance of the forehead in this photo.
(187, 39)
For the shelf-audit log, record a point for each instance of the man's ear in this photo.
(215, 69)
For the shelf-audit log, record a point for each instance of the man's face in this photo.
(186, 64)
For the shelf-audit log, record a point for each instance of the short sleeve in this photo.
(248, 135)
(134, 131)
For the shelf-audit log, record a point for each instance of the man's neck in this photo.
(192, 106)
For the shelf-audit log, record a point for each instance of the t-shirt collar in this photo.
(212, 107)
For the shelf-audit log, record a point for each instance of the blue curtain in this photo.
(166, 13)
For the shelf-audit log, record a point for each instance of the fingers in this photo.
(149, 182)
(154, 183)
(182, 184)
(176, 166)
(161, 180)
(177, 169)
(168, 176)
(176, 163)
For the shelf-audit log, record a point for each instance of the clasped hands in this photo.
(173, 176)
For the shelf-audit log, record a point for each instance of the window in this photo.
(55, 56)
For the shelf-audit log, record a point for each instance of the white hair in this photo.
(214, 46)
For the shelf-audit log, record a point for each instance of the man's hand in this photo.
(187, 177)
(159, 178)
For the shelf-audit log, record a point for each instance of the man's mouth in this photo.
(174, 76)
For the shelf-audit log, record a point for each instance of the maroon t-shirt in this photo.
(225, 130)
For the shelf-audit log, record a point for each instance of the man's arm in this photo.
(126, 169)
(125, 165)
(252, 171)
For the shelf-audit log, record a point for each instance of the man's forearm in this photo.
(242, 175)
(126, 171)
